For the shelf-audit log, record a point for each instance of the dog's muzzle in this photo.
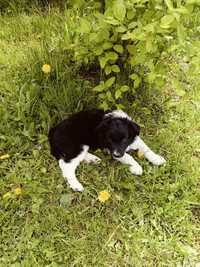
(117, 154)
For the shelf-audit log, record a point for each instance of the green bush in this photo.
(131, 41)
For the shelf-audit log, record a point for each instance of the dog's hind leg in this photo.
(69, 168)
(89, 158)
(135, 168)
(154, 158)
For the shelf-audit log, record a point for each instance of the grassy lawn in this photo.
(152, 220)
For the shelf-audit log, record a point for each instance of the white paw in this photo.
(155, 159)
(76, 186)
(89, 158)
(137, 170)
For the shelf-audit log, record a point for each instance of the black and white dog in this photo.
(71, 140)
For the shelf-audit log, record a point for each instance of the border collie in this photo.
(94, 129)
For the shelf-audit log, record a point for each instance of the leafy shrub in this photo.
(131, 41)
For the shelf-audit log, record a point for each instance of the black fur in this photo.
(94, 129)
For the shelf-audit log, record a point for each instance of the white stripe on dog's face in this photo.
(118, 114)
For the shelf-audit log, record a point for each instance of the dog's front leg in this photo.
(154, 158)
(68, 171)
(135, 168)
(90, 158)
(69, 168)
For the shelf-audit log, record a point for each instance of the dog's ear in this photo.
(134, 129)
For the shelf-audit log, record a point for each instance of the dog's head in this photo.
(116, 134)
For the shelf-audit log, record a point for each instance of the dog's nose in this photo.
(117, 154)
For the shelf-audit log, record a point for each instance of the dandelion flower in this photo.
(18, 191)
(103, 196)
(140, 154)
(46, 68)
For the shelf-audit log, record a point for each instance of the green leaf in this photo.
(169, 4)
(100, 87)
(132, 25)
(182, 10)
(118, 48)
(111, 56)
(193, 2)
(102, 95)
(104, 105)
(119, 10)
(120, 29)
(93, 37)
(120, 91)
(118, 94)
(136, 78)
(149, 27)
(108, 69)
(133, 61)
(137, 83)
(149, 44)
(115, 68)
(131, 49)
(120, 106)
(107, 45)
(111, 20)
(109, 96)
(85, 26)
(127, 36)
(166, 21)
(181, 32)
(124, 88)
(131, 14)
(103, 34)
(114, 37)
(98, 51)
(133, 76)
(110, 82)
(102, 61)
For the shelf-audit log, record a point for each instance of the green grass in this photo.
(152, 220)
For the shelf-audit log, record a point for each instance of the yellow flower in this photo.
(18, 191)
(103, 196)
(140, 154)
(7, 195)
(6, 156)
(46, 68)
